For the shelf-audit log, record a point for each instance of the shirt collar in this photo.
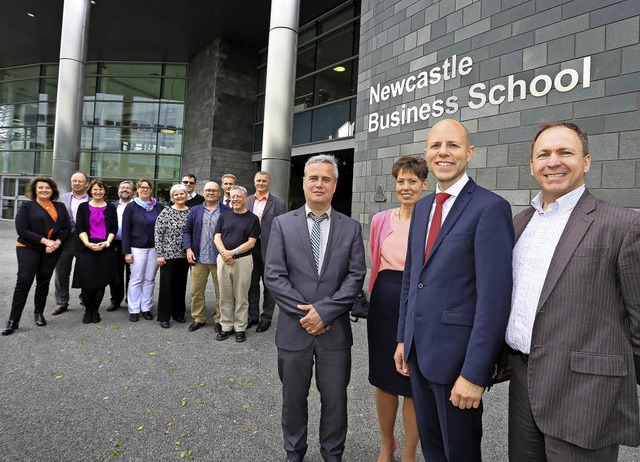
(307, 210)
(455, 188)
(562, 204)
(266, 196)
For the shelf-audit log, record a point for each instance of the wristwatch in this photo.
(108, 243)
(235, 253)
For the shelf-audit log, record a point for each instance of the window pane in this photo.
(260, 109)
(17, 162)
(112, 165)
(302, 128)
(90, 86)
(335, 47)
(24, 72)
(175, 70)
(307, 34)
(257, 137)
(19, 91)
(130, 87)
(174, 89)
(304, 94)
(337, 19)
(332, 85)
(44, 162)
(171, 115)
(169, 167)
(130, 69)
(169, 141)
(48, 90)
(51, 70)
(306, 60)
(262, 79)
(332, 122)
(9, 187)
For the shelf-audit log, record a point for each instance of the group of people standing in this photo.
(461, 294)
(122, 244)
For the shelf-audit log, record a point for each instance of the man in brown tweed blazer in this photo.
(575, 322)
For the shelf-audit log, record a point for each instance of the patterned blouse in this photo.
(168, 233)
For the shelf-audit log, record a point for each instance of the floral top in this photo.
(168, 233)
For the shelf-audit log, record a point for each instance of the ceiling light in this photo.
(31, 15)
(339, 69)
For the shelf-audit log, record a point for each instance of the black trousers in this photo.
(173, 288)
(268, 304)
(92, 298)
(32, 264)
(123, 273)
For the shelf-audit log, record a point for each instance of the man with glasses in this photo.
(193, 198)
(71, 200)
(202, 253)
(119, 286)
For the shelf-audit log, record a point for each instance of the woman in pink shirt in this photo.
(388, 241)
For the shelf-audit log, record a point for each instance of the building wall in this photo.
(220, 111)
(526, 39)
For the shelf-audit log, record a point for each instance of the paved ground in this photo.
(133, 391)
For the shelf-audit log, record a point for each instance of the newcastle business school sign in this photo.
(479, 93)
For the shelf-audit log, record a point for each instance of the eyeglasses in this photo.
(188, 182)
(144, 188)
(212, 191)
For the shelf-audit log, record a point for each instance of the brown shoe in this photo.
(60, 309)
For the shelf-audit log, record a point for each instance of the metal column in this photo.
(279, 93)
(73, 58)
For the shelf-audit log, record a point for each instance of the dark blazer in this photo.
(454, 308)
(273, 208)
(193, 229)
(110, 219)
(293, 280)
(33, 223)
(584, 362)
(197, 199)
(137, 230)
(66, 200)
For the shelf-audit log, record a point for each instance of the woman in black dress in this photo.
(42, 226)
(97, 225)
(388, 240)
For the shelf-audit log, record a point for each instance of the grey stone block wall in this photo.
(219, 114)
(526, 39)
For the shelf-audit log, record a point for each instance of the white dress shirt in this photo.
(324, 232)
(532, 256)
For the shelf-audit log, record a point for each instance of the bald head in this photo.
(211, 193)
(448, 151)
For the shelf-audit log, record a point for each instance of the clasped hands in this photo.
(227, 256)
(464, 394)
(51, 246)
(312, 322)
(97, 246)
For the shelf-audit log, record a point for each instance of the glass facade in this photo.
(132, 122)
(326, 78)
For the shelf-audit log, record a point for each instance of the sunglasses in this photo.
(188, 182)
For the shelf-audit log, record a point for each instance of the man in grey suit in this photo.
(575, 321)
(315, 268)
(266, 207)
(71, 200)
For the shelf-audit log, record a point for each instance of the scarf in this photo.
(148, 206)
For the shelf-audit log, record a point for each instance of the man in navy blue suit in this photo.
(455, 301)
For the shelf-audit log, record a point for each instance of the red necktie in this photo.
(436, 222)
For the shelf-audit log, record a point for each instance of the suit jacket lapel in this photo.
(335, 226)
(521, 221)
(303, 234)
(577, 226)
(456, 211)
(267, 206)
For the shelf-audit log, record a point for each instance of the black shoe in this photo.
(217, 327)
(113, 307)
(86, 317)
(134, 317)
(40, 321)
(251, 323)
(147, 315)
(195, 325)
(263, 326)
(11, 326)
(223, 335)
(164, 324)
(240, 337)
(95, 317)
(180, 320)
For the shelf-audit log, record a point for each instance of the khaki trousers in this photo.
(199, 276)
(234, 293)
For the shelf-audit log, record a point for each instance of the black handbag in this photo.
(360, 308)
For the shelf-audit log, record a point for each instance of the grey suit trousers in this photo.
(63, 269)
(333, 371)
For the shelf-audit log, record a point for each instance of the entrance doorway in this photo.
(13, 189)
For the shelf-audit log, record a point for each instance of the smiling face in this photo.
(43, 191)
(319, 185)
(179, 197)
(558, 163)
(190, 183)
(211, 193)
(262, 184)
(238, 200)
(144, 191)
(409, 188)
(97, 192)
(448, 151)
(125, 191)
